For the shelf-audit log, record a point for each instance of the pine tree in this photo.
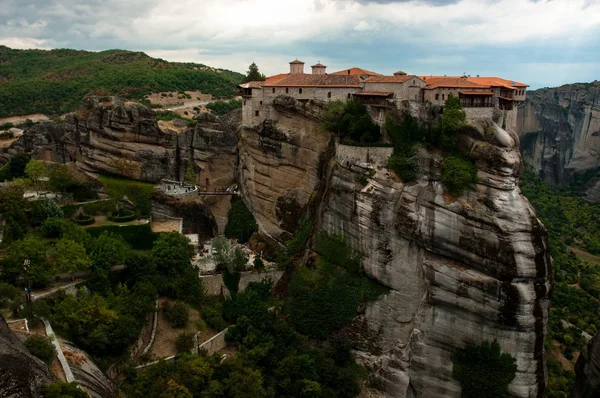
(253, 74)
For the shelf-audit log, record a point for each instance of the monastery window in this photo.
(414, 82)
(244, 102)
(329, 94)
(273, 89)
(255, 113)
(437, 97)
(348, 95)
(287, 90)
(299, 91)
(442, 97)
(260, 102)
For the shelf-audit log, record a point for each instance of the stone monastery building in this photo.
(375, 89)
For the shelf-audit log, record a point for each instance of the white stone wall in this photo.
(409, 90)
(308, 93)
(478, 113)
(366, 157)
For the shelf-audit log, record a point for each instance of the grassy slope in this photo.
(55, 81)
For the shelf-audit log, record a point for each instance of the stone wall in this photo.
(409, 90)
(212, 345)
(214, 283)
(367, 157)
(479, 113)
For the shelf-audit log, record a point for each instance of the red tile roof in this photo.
(310, 80)
(475, 92)
(450, 82)
(319, 64)
(389, 79)
(373, 93)
(497, 82)
(356, 72)
(296, 61)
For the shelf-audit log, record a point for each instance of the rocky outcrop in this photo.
(112, 135)
(587, 370)
(21, 374)
(281, 162)
(460, 270)
(560, 133)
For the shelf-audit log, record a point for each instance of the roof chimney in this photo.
(296, 66)
(318, 69)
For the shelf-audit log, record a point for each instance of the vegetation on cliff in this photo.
(483, 370)
(223, 107)
(241, 223)
(574, 236)
(352, 122)
(55, 81)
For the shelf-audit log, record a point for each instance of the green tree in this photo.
(15, 168)
(108, 250)
(33, 249)
(458, 174)
(184, 342)
(190, 175)
(12, 208)
(36, 171)
(175, 390)
(41, 347)
(64, 390)
(177, 314)
(172, 253)
(45, 209)
(241, 223)
(232, 260)
(453, 119)
(253, 74)
(333, 112)
(69, 256)
(483, 370)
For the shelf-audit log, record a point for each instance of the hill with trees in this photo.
(54, 82)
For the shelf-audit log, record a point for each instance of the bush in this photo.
(458, 174)
(258, 263)
(354, 122)
(122, 215)
(64, 390)
(140, 193)
(8, 293)
(177, 314)
(213, 319)
(483, 371)
(55, 227)
(84, 221)
(406, 166)
(223, 107)
(184, 342)
(241, 223)
(41, 347)
(45, 209)
(139, 237)
(295, 245)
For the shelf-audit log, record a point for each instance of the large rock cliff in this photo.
(461, 270)
(560, 133)
(112, 135)
(21, 374)
(587, 369)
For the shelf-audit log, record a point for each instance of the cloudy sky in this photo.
(539, 42)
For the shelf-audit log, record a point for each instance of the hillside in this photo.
(55, 81)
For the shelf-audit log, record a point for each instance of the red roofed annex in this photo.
(376, 89)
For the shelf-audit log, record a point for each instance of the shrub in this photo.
(64, 390)
(241, 223)
(88, 220)
(140, 193)
(223, 107)
(8, 293)
(213, 319)
(177, 314)
(55, 227)
(354, 122)
(458, 174)
(122, 215)
(41, 347)
(295, 245)
(45, 209)
(184, 342)
(483, 371)
(406, 166)
(139, 237)
(258, 263)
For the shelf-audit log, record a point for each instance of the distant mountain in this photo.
(55, 81)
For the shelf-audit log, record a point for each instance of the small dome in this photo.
(400, 73)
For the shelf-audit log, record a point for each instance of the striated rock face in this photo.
(460, 270)
(111, 135)
(587, 369)
(21, 374)
(281, 161)
(560, 132)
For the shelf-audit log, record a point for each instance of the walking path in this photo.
(61, 356)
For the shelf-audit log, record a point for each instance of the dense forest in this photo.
(54, 82)
(574, 243)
